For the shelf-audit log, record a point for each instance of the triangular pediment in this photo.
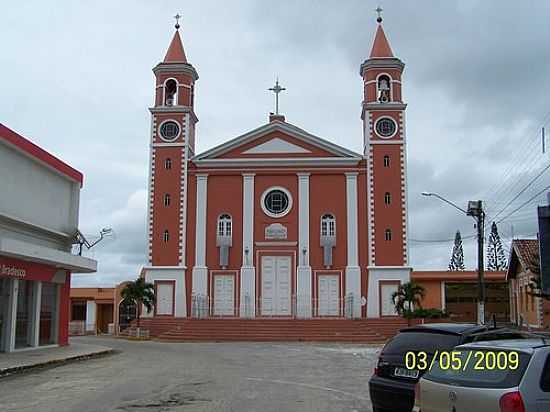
(276, 140)
(276, 145)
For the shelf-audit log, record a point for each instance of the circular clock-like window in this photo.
(169, 130)
(386, 127)
(276, 202)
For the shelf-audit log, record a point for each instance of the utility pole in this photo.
(475, 209)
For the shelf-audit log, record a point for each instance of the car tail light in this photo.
(512, 402)
(376, 370)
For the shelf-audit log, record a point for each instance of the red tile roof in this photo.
(458, 275)
(525, 252)
(175, 53)
(381, 46)
(30, 149)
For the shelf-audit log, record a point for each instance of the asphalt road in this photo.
(191, 377)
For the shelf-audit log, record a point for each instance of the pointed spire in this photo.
(381, 46)
(175, 53)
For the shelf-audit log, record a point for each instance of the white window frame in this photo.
(276, 215)
(225, 225)
(328, 225)
(174, 138)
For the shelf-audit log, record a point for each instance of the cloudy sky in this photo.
(75, 77)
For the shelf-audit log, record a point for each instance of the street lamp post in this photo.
(475, 210)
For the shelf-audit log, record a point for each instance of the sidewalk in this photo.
(19, 361)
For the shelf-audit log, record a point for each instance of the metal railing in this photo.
(298, 307)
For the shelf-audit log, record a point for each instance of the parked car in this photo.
(525, 388)
(392, 386)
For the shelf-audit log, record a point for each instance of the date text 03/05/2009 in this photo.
(460, 360)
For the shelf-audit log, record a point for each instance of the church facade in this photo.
(277, 222)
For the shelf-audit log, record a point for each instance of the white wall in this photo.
(377, 274)
(34, 193)
(152, 274)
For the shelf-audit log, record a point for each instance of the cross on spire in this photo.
(379, 11)
(276, 89)
(177, 17)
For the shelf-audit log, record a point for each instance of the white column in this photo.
(353, 271)
(90, 316)
(12, 315)
(34, 338)
(303, 273)
(200, 271)
(248, 272)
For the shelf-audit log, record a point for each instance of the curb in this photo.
(54, 362)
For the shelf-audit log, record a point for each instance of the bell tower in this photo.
(384, 138)
(172, 144)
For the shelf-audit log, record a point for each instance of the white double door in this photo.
(224, 295)
(329, 295)
(276, 286)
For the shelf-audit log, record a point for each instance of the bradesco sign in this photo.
(12, 271)
(21, 269)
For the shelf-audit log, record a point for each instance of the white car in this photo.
(499, 376)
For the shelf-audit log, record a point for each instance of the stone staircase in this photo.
(273, 330)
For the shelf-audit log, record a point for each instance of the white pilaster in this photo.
(12, 315)
(353, 271)
(90, 316)
(200, 271)
(248, 271)
(34, 338)
(303, 273)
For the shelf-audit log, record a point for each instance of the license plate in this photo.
(406, 373)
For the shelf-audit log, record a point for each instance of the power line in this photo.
(524, 204)
(522, 191)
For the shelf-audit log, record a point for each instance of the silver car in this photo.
(499, 376)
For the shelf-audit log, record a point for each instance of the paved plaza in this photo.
(241, 377)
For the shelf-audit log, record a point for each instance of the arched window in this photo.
(170, 93)
(387, 198)
(168, 163)
(328, 225)
(388, 234)
(166, 199)
(224, 225)
(386, 161)
(383, 87)
(166, 236)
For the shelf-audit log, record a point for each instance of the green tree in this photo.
(141, 293)
(457, 255)
(407, 296)
(496, 259)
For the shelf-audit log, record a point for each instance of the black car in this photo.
(392, 385)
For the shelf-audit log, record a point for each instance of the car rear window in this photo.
(479, 375)
(421, 341)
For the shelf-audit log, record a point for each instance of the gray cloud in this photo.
(77, 80)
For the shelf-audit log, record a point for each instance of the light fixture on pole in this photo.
(475, 210)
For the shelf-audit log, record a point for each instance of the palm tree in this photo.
(407, 296)
(140, 292)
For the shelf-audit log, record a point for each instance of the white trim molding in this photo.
(248, 272)
(303, 272)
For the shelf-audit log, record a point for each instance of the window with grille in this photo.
(386, 161)
(166, 199)
(224, 225)
(387, 198)
(168, 164)
(166, 236)
(328, 225)
(388, 234)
